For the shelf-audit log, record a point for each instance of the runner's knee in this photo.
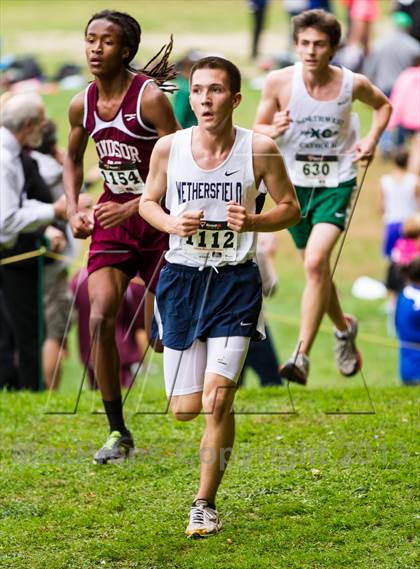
(218, 401)
(186, 409)
(316, 265)
(101, 323)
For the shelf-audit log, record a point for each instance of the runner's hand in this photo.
(281, 122)
(363, 150)
(81, 224)
(186, 224)
(110, 214)
(237, 217)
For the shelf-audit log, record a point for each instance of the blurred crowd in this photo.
(391, 62)
(40, 298)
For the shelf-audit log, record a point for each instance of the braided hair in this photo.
(158, 67)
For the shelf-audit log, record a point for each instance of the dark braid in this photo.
(162, 71)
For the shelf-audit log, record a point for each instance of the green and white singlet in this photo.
(317, 143)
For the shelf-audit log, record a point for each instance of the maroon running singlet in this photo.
(124, 145)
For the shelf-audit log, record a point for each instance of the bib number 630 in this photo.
(316, 168)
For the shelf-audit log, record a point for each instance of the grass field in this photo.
(303, 491)
(321, 477)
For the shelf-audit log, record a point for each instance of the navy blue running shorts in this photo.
(209, 303)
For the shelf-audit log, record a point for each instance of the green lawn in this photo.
(307, 490)
(322, 477)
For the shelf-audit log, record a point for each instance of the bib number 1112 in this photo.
(212, 240)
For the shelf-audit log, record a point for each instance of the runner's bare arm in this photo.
(367, 93)
(73, 168)
(156, 110)
(271, 119)
(269, 168)
(155, 189)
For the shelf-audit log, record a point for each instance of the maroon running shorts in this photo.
(134, 246)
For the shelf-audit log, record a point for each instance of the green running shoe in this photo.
(117, 447)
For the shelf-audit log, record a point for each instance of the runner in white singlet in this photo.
(306, 108)
(209, 297)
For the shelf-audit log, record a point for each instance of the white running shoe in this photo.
(296, 368)
(204, 521)
(347, 356)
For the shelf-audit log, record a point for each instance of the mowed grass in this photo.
(305, 490)
(320, 477)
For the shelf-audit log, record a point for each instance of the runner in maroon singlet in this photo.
(125, 112)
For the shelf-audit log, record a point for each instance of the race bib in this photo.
(314, 170)
(214, 241)
(122, 178)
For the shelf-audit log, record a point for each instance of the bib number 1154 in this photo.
(122, 178)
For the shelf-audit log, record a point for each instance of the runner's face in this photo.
(103, 47)
(314, 49)
(211, 98)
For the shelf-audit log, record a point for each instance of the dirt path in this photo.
(70, 45)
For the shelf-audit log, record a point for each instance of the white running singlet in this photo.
(316, 145)
(190, 188)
